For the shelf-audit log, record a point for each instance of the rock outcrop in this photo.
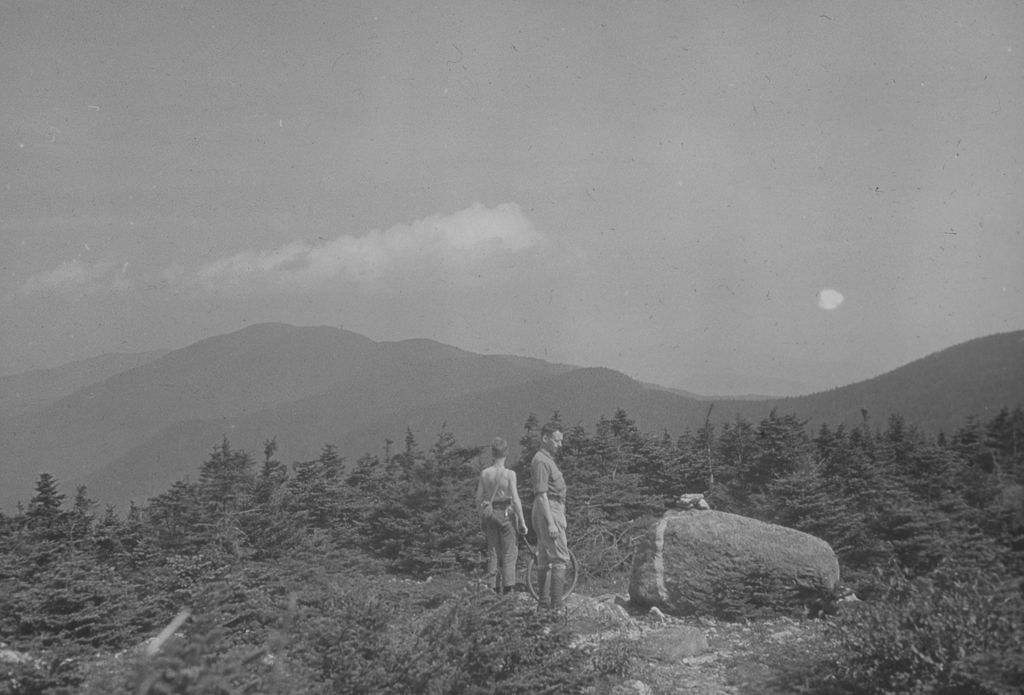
(704, 562)
(674, 643)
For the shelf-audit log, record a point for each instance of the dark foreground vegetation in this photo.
(330, 576)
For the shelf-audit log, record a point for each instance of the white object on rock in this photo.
(692, 501)
(632, 687)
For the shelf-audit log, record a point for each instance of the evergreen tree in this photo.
(612, 474)
(272, 475)
(427, 519)
(857, 489)
(737, 450)
(367, 476)
(368, 487)
(800, 500)
(530, 441)
(1004, 439)
(225, 492)
(45, 515)
(45, 506)
(315, 490)
(268, 525)
(80, 518)
(404, 463)
(173, 518)
(226, 482)
(901, 440)
(690, 469)
(660, 472)
(783, 447)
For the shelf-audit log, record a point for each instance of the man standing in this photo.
(504, 513)
(548, 518)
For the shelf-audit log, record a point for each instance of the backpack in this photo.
(487, 506)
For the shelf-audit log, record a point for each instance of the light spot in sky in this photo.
(829, 299)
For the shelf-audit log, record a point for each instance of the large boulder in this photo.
(703, 562)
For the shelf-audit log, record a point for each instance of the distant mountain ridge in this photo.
(130, 434)
(219, 382)
(28, 391)
(935, 393)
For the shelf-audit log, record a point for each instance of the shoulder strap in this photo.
(496, 486)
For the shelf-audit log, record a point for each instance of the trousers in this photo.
(502, 550)
(552, 551)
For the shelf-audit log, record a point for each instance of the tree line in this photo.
(882, 496)
(878, 495)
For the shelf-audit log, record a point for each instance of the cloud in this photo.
(461, 246)
(829, 299)
(77, 279)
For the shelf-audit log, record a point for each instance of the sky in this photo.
(726, 197)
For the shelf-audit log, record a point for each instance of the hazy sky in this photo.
(716, 196)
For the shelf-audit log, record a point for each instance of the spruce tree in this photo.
(44, 513)
(174, 517)
(315, 490)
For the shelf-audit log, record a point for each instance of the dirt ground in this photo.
(747, 658)
(742, 659)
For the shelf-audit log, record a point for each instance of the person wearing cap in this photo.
(548, 518)
(497, 500)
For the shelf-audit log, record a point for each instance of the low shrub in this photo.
(955, 632)
(605, 549)
(480, 643)
(362, 634)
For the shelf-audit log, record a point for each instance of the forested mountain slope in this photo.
(226, 381)
(935, 393)
(302, 428)
(130, 435)
(28, 391)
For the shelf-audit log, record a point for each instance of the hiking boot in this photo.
(557, 588)
(543, 590)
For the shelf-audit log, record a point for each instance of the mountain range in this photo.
(128, 426)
